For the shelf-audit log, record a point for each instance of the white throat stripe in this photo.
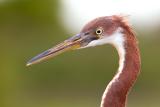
(117, 40)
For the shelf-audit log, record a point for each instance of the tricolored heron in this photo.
(113, 30)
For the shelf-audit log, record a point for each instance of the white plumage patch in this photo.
(116, 39)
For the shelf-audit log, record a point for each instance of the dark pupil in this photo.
(98, 31)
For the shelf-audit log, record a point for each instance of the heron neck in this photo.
(129, 66)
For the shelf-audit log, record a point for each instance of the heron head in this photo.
(99, 31)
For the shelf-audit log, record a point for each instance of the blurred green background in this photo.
(74, 79)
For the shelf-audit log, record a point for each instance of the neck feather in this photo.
(129, 65)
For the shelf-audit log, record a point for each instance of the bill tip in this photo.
(28, 64)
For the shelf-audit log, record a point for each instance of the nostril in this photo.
(87, 33)
(74, 38)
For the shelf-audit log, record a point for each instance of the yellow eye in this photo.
(99, 31)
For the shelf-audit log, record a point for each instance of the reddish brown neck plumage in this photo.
(117, 93)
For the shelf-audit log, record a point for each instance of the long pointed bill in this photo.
(69, 44)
